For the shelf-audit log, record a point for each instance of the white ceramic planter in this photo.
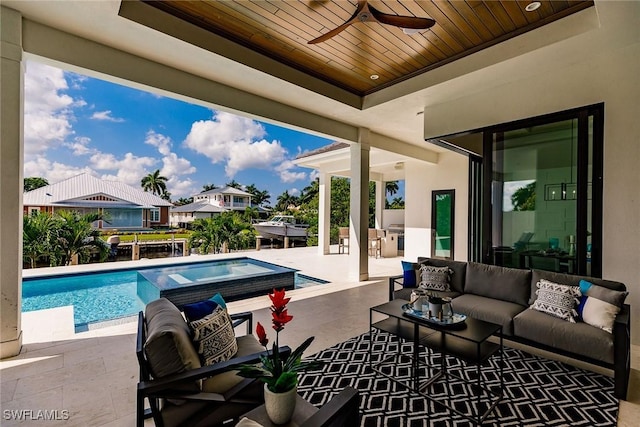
(280, 406)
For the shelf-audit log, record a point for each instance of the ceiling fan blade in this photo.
(330, 34)
(341, 28)
(402, 21)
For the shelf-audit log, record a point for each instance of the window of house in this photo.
(154, 215)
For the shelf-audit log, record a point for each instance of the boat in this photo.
(281, 226)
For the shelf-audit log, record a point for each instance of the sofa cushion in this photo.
(569, 279)
(434, 278)
(214, 337)
(405, 293)
(557, 300)
(488, 309)
(458, 271)
(578, 338)
(506, 284)
(168, 347)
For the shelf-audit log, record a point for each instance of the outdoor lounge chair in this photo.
(180, 391)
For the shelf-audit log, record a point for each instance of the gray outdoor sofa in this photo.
(503, 296)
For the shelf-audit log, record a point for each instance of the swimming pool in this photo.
(98, 297)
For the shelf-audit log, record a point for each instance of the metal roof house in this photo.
(210, 203)
(125, 207)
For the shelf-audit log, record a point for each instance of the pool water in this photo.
(97, 297)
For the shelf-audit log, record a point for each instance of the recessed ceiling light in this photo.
(374, 77)
(532, 6)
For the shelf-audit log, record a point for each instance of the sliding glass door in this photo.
(541, 179)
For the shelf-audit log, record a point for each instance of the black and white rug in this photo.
(537, 391)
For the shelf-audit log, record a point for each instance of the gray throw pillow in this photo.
(214, 337)
(557, 300)
(435, 278)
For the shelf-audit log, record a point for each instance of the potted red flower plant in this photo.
(280, 374)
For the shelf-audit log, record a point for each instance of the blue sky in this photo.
(76, 124)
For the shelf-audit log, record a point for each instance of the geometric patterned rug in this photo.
(537, 391)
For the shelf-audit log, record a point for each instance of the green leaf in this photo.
(286, 382)
(296, 356)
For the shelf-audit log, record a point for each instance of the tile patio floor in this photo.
(93, 374)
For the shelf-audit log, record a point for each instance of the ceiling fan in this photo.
(367, 13)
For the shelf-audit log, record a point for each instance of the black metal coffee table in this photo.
(467, 342)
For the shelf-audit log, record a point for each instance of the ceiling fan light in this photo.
(374, 77)
(410, 31)
(532, 6)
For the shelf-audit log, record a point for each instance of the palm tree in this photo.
(38, 236)
(234, 184)
(205, 236)
(31, 183)
(250, 213)
(310, 191)
(208, 187)
(391, 187)
(77, 236)
(155, 183)
(258, 197)
(183, 201)
(285, 200)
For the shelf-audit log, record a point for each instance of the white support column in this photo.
(359, 207)
(11, 175)
(380, 193)
(324, 213)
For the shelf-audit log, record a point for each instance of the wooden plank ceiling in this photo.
(280, 29)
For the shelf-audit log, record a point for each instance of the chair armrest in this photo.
(622, 351)
(240, 318)
(341, 410)
(393, 281)
(158, 385)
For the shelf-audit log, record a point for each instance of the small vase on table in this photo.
(280, 406)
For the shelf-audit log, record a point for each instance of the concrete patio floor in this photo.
(93, 374)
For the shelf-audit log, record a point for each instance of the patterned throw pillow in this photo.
(557, 300)
(214, 337)
(435, 278)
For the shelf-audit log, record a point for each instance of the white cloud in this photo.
(47, 111)
(293, 192)
(182, 188)
(260, 154)
(235, 141)
(53, 171)
(174, 165)
(80, 146)
(286, 175)
(161, 142)
(314, 174)
(106, 116)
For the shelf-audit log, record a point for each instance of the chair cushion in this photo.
(222, 383)
(507, 284)
(168, 347)
(434, 278)
(579, 338)
(214, 337)
(557, 300)
(488, 309)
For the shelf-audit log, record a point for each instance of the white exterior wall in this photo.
(392, 216)
(451, 173)
(605, 75)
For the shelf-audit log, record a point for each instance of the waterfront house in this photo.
(123, 206)
(210, 203)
